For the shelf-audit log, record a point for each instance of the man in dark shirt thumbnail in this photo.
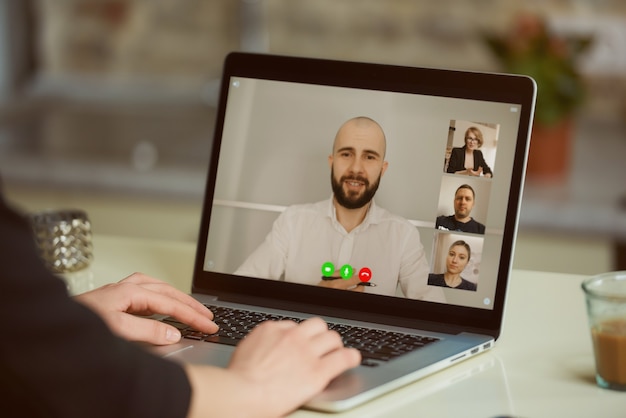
(464, 198)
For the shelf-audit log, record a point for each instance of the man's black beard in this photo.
(353, 201)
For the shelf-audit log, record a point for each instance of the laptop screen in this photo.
(388, 193)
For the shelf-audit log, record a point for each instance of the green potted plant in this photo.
(530, 48)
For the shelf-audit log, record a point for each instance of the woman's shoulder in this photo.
(467, 285)
(436, 279)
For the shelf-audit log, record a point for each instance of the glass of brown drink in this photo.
(606, 308)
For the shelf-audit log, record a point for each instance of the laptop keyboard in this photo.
(375, 345)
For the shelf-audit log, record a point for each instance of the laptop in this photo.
(438, 289)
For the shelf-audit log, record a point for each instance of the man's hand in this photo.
(345, 284)
(119, 303)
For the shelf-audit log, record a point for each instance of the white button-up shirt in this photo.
(304, 237)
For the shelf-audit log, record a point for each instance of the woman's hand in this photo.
(278, 367)
(119, 304)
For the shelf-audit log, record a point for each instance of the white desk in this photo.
(542, 366)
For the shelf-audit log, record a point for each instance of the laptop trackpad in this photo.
(197, 353)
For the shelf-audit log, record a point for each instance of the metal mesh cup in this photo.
(64, 239)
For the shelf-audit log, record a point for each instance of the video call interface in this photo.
(274, 214)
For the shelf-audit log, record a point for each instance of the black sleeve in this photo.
(59, 359)
(457, 160)
(479, 159)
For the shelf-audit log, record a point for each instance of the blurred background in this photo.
(108, 105)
